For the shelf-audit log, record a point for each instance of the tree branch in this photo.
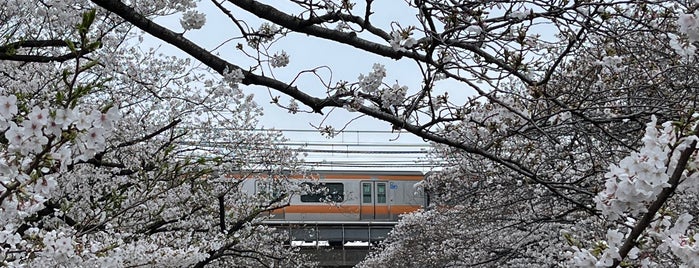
(36, 58)
(302, 26)
(317, 104)
(206, 57)
(151, 135)
(32, 44)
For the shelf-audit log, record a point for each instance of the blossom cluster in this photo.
(233, 77)
(264, 34)
(605, 252)
(371, 82)
(689, 25)
(401, 41)
(192, 19)
(280, 60)
(631, 186)
(392, 96)
(683, 242)
(293, 106)
(52, 138)
(685, 50)
(640, 177)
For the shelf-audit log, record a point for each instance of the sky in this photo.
(368, 143)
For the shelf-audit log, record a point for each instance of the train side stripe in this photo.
(365, 177)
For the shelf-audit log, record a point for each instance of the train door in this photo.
(374, 205)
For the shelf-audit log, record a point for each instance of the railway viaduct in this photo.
(357, 239)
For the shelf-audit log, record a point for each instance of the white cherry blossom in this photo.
(192, 20)
(8, 106)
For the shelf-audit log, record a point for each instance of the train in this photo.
(348, 205)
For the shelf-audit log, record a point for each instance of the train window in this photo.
(381, 193)
(366, 192)
(324, 192)
(268, 188)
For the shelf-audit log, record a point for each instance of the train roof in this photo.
(347, 172)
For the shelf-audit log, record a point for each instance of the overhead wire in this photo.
(342, 151)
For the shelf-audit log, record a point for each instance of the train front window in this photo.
(324, 192)
(381, 193)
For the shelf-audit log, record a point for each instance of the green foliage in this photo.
(88, 19)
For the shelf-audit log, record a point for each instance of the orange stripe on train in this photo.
(346, 209)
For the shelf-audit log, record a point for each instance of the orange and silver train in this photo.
(352, 206)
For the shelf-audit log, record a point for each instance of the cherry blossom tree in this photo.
(576, 148)
(115, 155)
(613, 182)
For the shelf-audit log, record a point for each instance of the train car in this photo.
(348, 205)
(355, 196)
